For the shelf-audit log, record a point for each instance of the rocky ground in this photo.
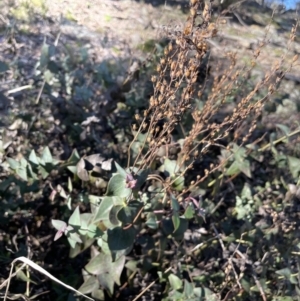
(111, 29)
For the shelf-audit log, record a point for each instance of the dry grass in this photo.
(176, 87)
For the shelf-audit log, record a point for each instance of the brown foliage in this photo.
(176, 86)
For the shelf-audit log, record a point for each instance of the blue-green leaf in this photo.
(175, 282)
(74, 219)
(117, 187)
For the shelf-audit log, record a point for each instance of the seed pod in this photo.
(193, 12)
(151, 101)
(295, 58)
(153, 78)
(173, 65)
(187, 73)
(187, 30)
(178, 73)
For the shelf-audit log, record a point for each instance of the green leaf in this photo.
(31, 173)
(121, 171)
(297, 289)
(70, 185)
(94, 199)
(199, 292)
(285, 298)
(103, 212)
(43, 172)
(4, 184)
(246, 193)
(233, 169)
(46, 156)
(176, 221)
(107, 271)
(245, 168)
(152, 221)
(141, 178)
(104, 209)
(113, 215)
(178, 184)
(98, 294)
(22, 173)
(175, 282)
(132, 265)
(246, 284)
(83, 170)
(74, 158)
(58, 224)
(209, 295)
(89, 285)
(80, 247)
(189, 212)
(3, 67)
(239, 166)
(174, 203)
(120, 241)
(13, 163)
(183, 226)
(33, 158)
(73, 239)
(242, 209)
(169, 229)
(44, 58)
(74, 219)
(286, 272)
(188, 289)
(284, 129)
(167, 226)
(94, 231)
(53, 67)
(170, 166)
(294, 166)
(72, 169)
(21, 276)
(128, 213)
(85, 219)
(23, 162)
(117, 187)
